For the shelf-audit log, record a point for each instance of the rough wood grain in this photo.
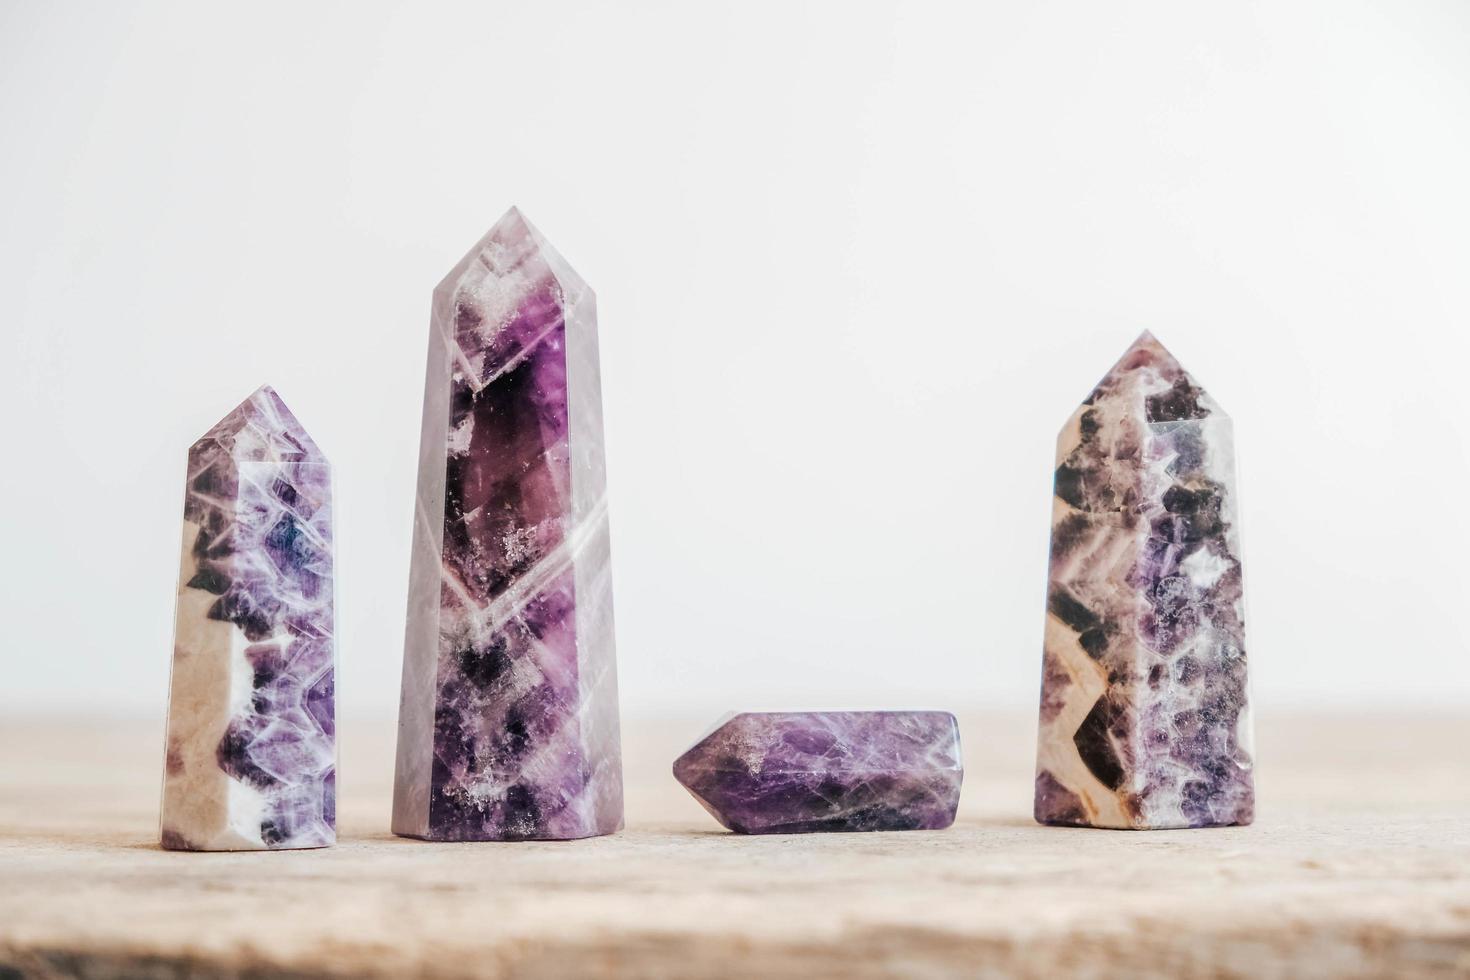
(1358, 865)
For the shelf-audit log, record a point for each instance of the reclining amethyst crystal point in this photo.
(796, 772)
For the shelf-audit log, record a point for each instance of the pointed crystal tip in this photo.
(1146, 348)
(262, 428)
(509, 244)
(511, 257)
(511, 227)
(1149, 375)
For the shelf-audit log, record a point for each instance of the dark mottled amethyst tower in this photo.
(1145, 716)
(252, 758)
(508, 725)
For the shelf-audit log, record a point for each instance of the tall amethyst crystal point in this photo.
(508, 726)
(251, 758)
(1145, 720)
(800, 772)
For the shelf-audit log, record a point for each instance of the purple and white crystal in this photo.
(1145, 715)
(797, 772)
(508, 725)
(251, 754)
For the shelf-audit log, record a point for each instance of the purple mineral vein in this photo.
(251, 753)
(807, 771)
(1145, 715)
(508, 726)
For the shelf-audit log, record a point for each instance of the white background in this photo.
(855, 265)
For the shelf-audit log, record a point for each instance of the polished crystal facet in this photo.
(794, 772)
(251, 752)
(508, 725)
(1145, 720)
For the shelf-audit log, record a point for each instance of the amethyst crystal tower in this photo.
(251, 756)
(1145, 719)
(508, 726)
(799, 772)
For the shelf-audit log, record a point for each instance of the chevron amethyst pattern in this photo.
(251, 749)
(508, 725)
(1145, 713)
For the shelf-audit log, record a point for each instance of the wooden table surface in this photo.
(1359, 864)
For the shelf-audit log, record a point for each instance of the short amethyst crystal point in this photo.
(797, 772)
(1145, 720)
(252, 757)
(508, 725)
